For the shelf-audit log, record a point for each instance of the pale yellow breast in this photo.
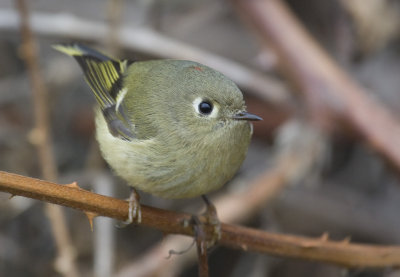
(177, 170)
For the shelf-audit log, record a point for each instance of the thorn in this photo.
(325, 236)
(12, 196)
(73, 185)
(90, 217)
(317, 242)
(346, 240)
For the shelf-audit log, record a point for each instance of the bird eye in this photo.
(205, 107)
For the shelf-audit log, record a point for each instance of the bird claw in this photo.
(135, 211)
(210, 218)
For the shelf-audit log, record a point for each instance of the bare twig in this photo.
(329, 91)
(372, 32)
(104, 237)
(114, 16)
(40, 136)
(105, 243)
(233, 236)
(148, 41)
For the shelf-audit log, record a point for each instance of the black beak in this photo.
(246, 116)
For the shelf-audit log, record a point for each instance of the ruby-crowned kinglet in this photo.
(172, 128)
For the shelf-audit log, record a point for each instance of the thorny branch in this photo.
(321, 249)
(342, 253)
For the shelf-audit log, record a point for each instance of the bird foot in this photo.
(201, 224)
(135, 212)
(211, 218)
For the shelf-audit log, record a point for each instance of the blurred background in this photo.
(333, 183)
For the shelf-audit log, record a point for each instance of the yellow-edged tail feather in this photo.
(105, 77)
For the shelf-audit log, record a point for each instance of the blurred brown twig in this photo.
(41, 138)
(329, 92)
(148, 41)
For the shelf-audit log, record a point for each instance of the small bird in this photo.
(172, 128)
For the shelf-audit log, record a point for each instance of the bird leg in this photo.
(212, 219)
(135, 212)
(198, 223)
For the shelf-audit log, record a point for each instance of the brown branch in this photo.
(233, 236)
(114, 18)
(329, 91)
(41, 137)
(74, 197)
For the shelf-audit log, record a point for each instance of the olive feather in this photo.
(172, 128)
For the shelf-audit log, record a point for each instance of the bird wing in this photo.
(104, 76)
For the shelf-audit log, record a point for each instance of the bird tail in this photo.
(103, 73)
(105, 77)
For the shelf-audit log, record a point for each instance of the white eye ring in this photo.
(196, 105)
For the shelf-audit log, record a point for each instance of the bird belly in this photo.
(178, 172)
